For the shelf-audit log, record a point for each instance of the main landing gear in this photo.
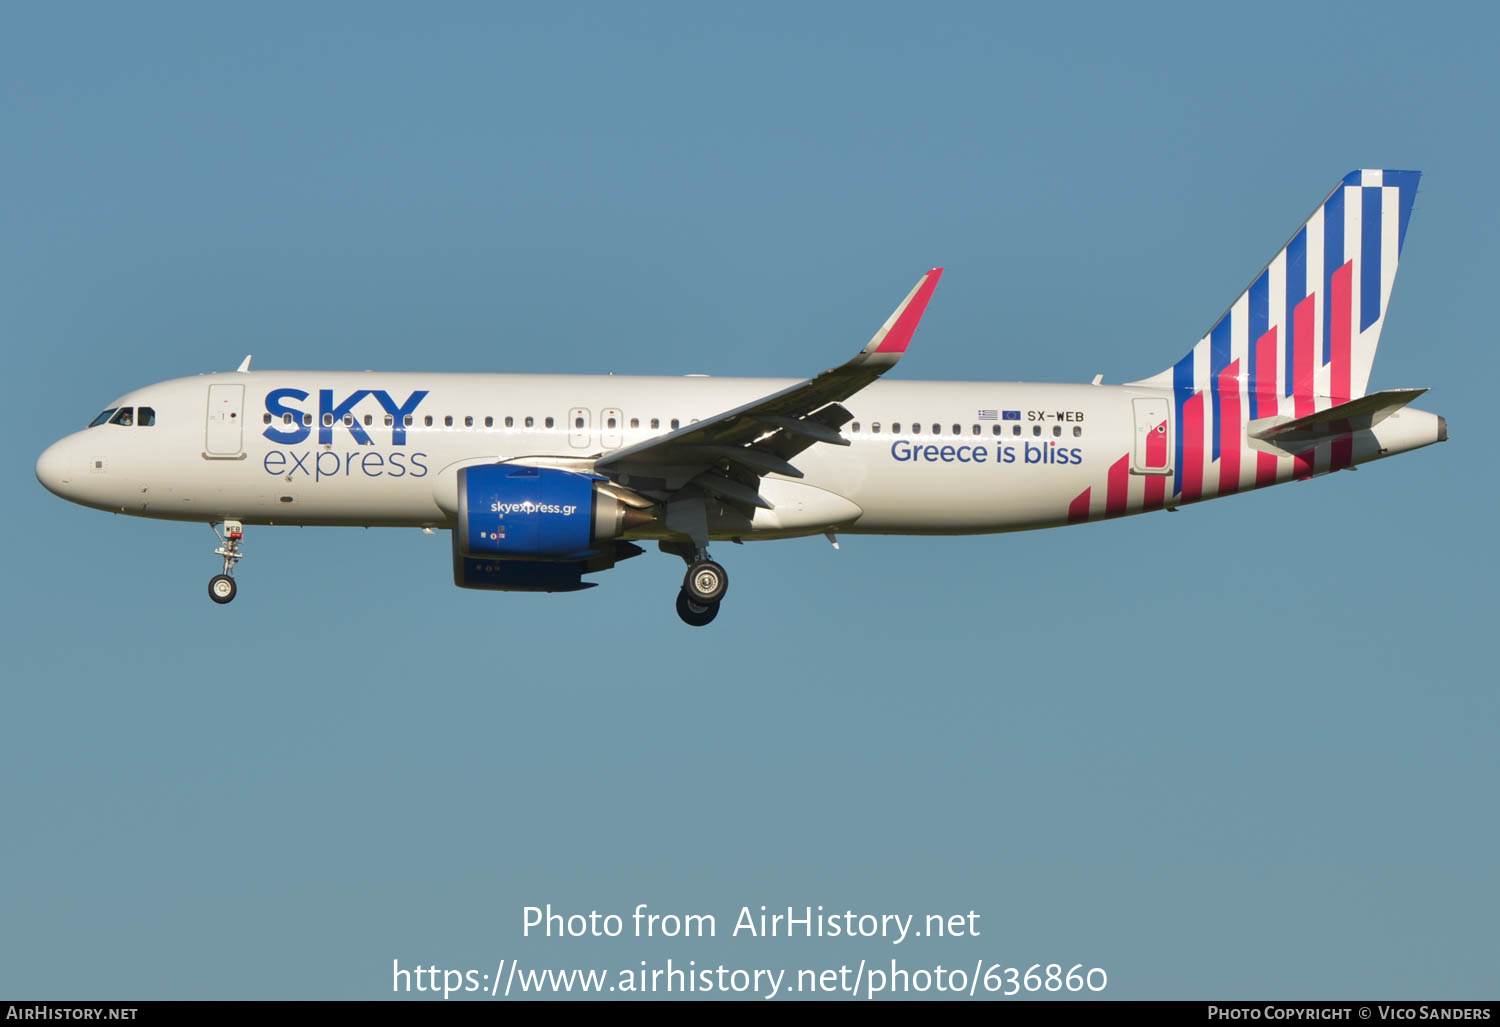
(221, 587)
(702, 589)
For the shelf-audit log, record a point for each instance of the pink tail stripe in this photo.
(1340, 318)
(1304, 346)
(1266, 355)
(1230, 436)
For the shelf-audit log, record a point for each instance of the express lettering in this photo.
(324, 463)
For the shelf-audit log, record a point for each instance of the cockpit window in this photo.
(96, 422)
(145, 416)
(125, 416)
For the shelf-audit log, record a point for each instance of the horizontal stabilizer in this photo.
(1356, 415)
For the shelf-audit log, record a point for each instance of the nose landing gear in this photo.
(221, 587)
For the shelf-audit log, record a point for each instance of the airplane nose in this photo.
(52, 469)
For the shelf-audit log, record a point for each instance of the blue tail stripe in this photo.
(1407, 182)
(1369, 258)
(1296, 291)
(1218, 348)
(1260, 323)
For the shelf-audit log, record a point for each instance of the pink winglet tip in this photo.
(899, 337)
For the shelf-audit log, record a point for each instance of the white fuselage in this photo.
(925, 457)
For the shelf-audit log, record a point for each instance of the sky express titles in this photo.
(290, 425)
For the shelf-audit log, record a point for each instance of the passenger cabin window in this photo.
(608, 424)
(656, 422)
(548, 422)
(448, 421)
(895, 427)
(635, 422)
(674, 423)
(427, 421)
(510, 422)
(307, 420)
(406, 420)
(995, 429)
(469, 421)
(125, 416)
(1077, 431)
(145, 417)
(371, 420)
(1036, 429)
(286, 418)
(348, 420)
(530, 421)
(102, 418)
(854, 427)
(578, 422)
(874, 427)
(389, 420)
(266, 418)
(976, 430)
(489, 422)
(958, 431)
(1016, 430)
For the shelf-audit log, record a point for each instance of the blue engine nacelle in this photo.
(536, 528)
(511, 511)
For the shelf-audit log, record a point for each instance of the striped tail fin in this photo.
(1309, 323)
(1304, 332)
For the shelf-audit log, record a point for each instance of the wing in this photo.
(728, 453)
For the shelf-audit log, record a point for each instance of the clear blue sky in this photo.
(1246, 750)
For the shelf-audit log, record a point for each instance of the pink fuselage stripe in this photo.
(1119, 487)
(1192, 448)
(1156, 456)
(1230, 439)
(1156, 447)
(1078, 510)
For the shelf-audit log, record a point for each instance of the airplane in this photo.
(544, 479)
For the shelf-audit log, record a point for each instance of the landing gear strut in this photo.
(221, 587)
(706, 582)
